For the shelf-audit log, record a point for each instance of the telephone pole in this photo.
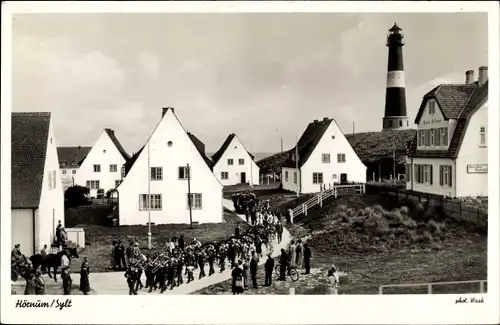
(188, 171)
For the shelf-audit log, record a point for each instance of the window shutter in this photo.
(437, 136)
(50, 179)
(152, 173)
(415, 172)
(181, 172)
(441, 175)
(449, 175)
(430, 171)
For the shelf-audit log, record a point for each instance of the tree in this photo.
(76, 195)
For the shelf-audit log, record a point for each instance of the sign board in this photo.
(477, 169)
(433, 121)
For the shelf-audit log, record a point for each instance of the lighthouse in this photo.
(395, 117)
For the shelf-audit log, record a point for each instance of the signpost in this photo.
(477, 169)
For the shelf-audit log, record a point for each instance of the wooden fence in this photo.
(454, 208)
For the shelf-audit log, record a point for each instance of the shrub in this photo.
(76, 195)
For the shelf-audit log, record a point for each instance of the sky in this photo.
(263, 76)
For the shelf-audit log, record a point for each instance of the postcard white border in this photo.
(409, 309)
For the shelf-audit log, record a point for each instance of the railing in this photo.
(429, 285)
(322, 196)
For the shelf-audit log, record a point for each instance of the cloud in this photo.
(149, 64)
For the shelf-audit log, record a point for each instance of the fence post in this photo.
(481, 286)
(320, 200)
(460, 208)
(364, 188)
(380, 290)
(292, 291)
(291, 216)
(304, 208)
(429, 288)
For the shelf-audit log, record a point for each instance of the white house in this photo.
(70, 159)
(160, 170)
(102, 167)
(449, 155)
(324, 157)
(233, 164)
(37, 202)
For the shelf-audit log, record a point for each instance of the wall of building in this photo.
(435, 121)
(51, 207)
(174, 191)
(67, 177)
(103, 153)
(22, 230)
(472, 152)
(237, 151)
(333, 142)
(435, 187)
(289, 182)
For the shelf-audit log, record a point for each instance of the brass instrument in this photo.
(158, 263)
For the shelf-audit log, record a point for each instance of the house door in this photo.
(53, 225)
(343, 178)
(243, 177)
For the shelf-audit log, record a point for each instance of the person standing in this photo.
(269, 267)
(258, 246)
(170, 246)
(181, 243)
(58, 233)
(201, 264)
(254, 266)
(178, 273)
(237, 275)
(39, 284)
(128, 253)
(112, 255)
(246, 272)
(84, 277)
(333, 281)
(65, 274)
(131, 275)
(211, 261)
(279, 231)
(121, 255)
(283, 264)
(300, 255)
(237, 231)
(293, 254)
(307, 258)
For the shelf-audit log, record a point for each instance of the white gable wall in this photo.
(435, 121)
(237, 151)
(472, 152)
(97, 156)
(290, 183)
(353, 167)
(22, 230)
(51, 208)
(173, 191)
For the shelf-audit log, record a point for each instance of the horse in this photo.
(52, 260)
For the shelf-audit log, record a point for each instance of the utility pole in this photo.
(297, 164)
(149, 195)
(281, 145)
(353, 127)
(188, 171)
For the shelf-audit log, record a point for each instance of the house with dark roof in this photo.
(102, 167)
(37, 203)
(449, 154)
(233, 164)
(169, 172)
(70, 159)
(322, 157)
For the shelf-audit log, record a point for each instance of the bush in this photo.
(76, 195)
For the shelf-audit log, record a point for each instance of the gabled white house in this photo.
(37, 202)
(70, 159)
(449, 155)
(325, 157)
(160, 170)
(102, 167)
(233, 164)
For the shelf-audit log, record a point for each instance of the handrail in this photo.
(430, 284)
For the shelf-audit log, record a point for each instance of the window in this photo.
(117, 183)
(93, 185)
(422, 137)
(154, 202)
(97, 168)
(431, 137)
(196, 201)
(325, 158)
(50, 179)
(334, 176)
(63, 171)
(293, 157)
(113, 168)
(295, 177)
(400, 123)
(73, 171)
(427, 138)
(54, 179)
(241, 161)
(423, 174)
(445, 175)
(156, 173)
(408, 172)
(183, 172)
(432, 107)
(482, 135)
(224, 175)
(444, 136)
(317, 178)
(341, 157)
(230, 162)
(123, 171)
(286, 175)
(390, 123)
(437, 137)
(407, 123)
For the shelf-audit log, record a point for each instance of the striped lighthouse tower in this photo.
(395, 117)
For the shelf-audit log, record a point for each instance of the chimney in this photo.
(483, 75)
(469, 77)
(164, 111)
(325, 119)
(316, 121)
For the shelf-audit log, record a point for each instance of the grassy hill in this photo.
(369, 146)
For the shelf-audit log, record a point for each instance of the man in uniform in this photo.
(269, 266)
(16, 256)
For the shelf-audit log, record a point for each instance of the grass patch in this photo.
(98, 239)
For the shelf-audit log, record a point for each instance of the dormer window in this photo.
(432, 107)
(482, 136)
